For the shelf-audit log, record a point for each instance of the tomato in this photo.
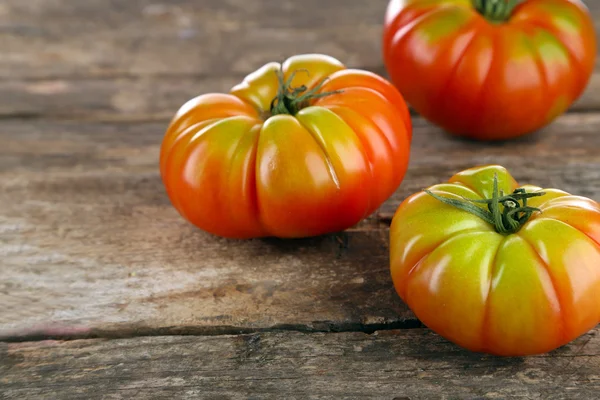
(516, 273)
(494, 74)
(298, 149)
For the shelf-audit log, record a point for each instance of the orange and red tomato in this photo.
(489, 77)
(297, 149)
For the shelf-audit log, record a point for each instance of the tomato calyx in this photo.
(496, 11)
(514, 214)
(290, 100)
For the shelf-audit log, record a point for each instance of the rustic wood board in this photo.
(90, 240)
(117, 38)
(70, 38)
(143, 59)
(92, 246)
(142, 98)
(402, 365)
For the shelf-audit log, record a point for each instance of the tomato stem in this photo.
(495, 10)
(290, 100)
(514, 213)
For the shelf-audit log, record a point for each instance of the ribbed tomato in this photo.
(297, 149)
(481, 69)
(511, 271)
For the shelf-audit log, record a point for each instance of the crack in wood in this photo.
(223, 330)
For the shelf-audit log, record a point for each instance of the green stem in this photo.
(506, 213)
(495, 10)
(290, 100)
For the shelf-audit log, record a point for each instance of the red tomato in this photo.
(516, 274)
(297, 149)
(489, 78)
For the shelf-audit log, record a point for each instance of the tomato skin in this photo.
(484, 80)
(512, 295)
(234, 170)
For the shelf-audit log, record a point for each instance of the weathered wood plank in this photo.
(141, 98)
(89, 240)
(408, 365)
(66, 38)
(143, 59)
(58, 38)
(128, 99)
(564, 155)
(90, 244)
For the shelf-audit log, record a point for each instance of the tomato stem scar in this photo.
(514, 213)
(290, 100)
(495, 10)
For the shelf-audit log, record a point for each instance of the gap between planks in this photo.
(224, 330)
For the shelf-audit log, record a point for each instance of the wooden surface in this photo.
(91, 248)
(408, 364)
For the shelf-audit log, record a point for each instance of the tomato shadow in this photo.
(526, 139)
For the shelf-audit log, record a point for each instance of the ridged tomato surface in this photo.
(489, 80)
(521, 293)
(234, 169)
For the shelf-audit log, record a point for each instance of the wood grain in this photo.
(408, 365)
(144, 59)
(91, 246)
(90, 241)
(101, 99)
(142, 98)
(112, 38)
(565, 155)
(70, 38)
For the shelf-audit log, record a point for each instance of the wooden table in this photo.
(106, 293)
